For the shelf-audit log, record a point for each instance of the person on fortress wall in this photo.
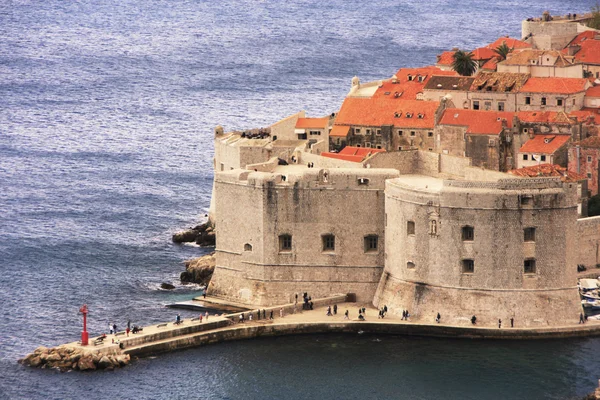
(346, 315)
(271, 316)
(361, 317)
(438, 317)
(178, 319)
(473, 320)
(581, 319)
(335, 309)
(329, 311)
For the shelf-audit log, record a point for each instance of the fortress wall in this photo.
(436, 278)
(305, 206)
(326, 162)
(404, 161)
(226, 155)
(588, 241)
(284, 129)
(480, 174)
(549, 35)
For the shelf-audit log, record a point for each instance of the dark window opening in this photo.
(527, 100)
(328, 242)
(285, 242)
(468, 266)
(410, 265)
(371, 242)
(468, 233)
(529, 266)
(410, 228)
(529, 234)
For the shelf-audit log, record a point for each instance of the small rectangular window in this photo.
(368, 131)
(526, 199)
(357, 130)
(378, 132)
(468, 233)
(410, 228)
(527, 100)
(543, 101)
(371, 243)
(500, 106)
(589, 158)
(488, 105)
(285, 242)
(475, 105)
(525, 157)
(543, 158)
(222, 167)
(529, 266)
(400, 133)
(529, 234)
(468, 266)
(399, 148)
(410, 265)
(589, 175)
(559, 102)
(363, 181)
(412, 133)
(328, 242)
(429, 134)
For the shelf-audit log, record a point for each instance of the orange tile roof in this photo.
(527, 56)
(339, 131)
(477, 122)
(377, 111)
(544, 144)
(446, 58)
(307, 123)
(591, 142)
(491, 64)
(554, 117)
(589, 53)
(510, 42)
(548, 170)
(554, 85)
(483, 53)
(354, 154)
(594, 91)
(586, 115)
(582, 37)
(409, 89)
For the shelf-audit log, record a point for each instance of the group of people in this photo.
(329, 314)
(382, 312)
(112, 328)
(405, 315)
(308, 304)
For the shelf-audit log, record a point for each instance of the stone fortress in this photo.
(414, 229)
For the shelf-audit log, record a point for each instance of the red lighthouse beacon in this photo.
(84, 332)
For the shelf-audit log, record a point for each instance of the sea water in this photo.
(106, 116)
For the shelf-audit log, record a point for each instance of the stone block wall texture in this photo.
(255, 210)
(588, 242)
(424, 271)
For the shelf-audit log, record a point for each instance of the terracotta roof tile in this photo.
(554, 117)
(354, 154)
(526, 56)
(449, 83)
(499, 81)
(377, 111)
(477, 122)
(548, 170)
(483, 53)
(446, 58)
(307, 123)
(510, 42)
(594, 91)
(339, 131)
(554, 85)
(591, 142)
(582, 37)
(408, 89)
(589, 52)
(544, 144)
(490, 65)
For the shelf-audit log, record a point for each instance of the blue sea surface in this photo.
(106, 116)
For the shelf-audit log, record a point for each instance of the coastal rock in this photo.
(199, 270)
(167, 286)
(35, 361)
(104, 363)
(185, 236)
(54, 356)
(123, 359)
(86, 363)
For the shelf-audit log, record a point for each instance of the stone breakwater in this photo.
(67, 358)
(199, 270)
(203, 234)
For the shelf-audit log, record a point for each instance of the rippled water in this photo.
(106, 116)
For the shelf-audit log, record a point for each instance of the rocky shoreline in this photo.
(69, 358)
(199, 270)
(203, 235)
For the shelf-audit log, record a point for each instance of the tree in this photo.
(503, 51)
(463, 63)
(594, 22)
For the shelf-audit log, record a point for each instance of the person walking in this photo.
(335, 309)
(271, 316)
(438, 317)
(281, 313)
(206, 316)
(512, 322)
(499, 323)
(581, 319)
(346, 315)
(265, 314)
(200, 318)
(115, 329)
(250, 316)
(329, 311)
(110, 328)
(241, 317)
(296, 299)
(258, 314)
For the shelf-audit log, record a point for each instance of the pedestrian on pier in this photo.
(258, 314)
(335, 309)
(364, 311)
(329, 311)
(311, 304)
(581, 320)
(127, 331)
(380, 314)
(206, 316)
(403, 315)
(200, 318)
(385, 309)
(178, 319)
(271, 316)
(512, 322)
(114, 328)
(110, 328)
(265, 314)
(438, 317)
(281, 313)
(250, 317)
(346, 315)
(499, 323)
(473, 320)
(296, 298)
(129, 324)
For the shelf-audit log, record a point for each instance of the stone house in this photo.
(544, 149)
(552, 94)
(495, 91)
(456, 87)
(484, 136)
(584, 159)
(586, 50)
(541, 63)
(592, 97)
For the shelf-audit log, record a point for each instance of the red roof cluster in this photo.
(544, 144)
(477, 122)
(354, 154)
(548, 170)
(582, 37)
(594, 91)
(446, 58)
(510, 42)
(589, 53)
(377, 111)
(409, 82)
(554, 85)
